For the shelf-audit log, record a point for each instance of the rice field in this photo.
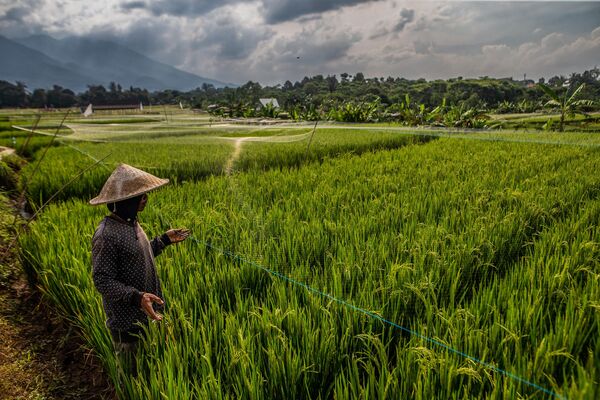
(483, 247)
(189, 152)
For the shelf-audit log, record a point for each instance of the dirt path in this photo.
(4, 151)
(237, 150)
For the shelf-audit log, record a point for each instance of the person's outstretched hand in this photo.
(178, 235)
(146, 305)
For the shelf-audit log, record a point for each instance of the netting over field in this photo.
(438, 268)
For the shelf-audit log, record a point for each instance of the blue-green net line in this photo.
(370, 314)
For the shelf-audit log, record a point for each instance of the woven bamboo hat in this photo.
(126, 182)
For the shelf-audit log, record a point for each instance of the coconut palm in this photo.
(568, 105)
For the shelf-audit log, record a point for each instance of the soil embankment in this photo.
(41, 357)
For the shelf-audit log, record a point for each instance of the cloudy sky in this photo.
(270, 41)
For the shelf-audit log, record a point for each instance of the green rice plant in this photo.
(487, 247)
(177, 162)
(327, 143)
(194, 158)
(583, 139)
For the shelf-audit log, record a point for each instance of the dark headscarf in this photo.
(126, 209)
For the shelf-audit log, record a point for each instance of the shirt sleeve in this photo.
(159, 243)
(105, 268)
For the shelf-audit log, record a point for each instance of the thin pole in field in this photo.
(48, 145)
(33, 128)
(310, 140)
(63, 187)
(165, 111)
(26, 181)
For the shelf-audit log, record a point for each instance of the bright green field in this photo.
(486, 242)
(186, 151)
(186, 146)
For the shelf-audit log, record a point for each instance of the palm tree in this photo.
(567, 105)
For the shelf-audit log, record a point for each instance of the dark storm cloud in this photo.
(184, 8)
(132, 5)
(276, 11)
(308, 18)
(406, 17)
(17, 11)
(222, 37)
(312, 47)
(16, 21)
(146, 36)
(310, 52)
(15, 14)
(230, 39)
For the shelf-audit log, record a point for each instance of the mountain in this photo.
(35, 69)
(101, 62)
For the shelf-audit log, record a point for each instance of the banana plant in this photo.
(567, 105)
(436, 116)
(269, 111)
(355, 112)
(505, 107)
(465, 117)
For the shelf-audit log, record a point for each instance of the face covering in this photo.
(126, 209)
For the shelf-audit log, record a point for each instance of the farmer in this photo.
(123, 259)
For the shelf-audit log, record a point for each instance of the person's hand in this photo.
(178, 235)
(146, 305)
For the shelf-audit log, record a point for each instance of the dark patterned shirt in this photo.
(123, 269)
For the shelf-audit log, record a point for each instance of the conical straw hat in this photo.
(126, 182)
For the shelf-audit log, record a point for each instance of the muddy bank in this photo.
(41, 356)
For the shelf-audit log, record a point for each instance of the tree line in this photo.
(503, 95)
(17, 95)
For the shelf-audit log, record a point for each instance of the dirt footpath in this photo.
(4, 151)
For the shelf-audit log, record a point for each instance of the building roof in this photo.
(273, 101)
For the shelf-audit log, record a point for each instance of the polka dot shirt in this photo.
(123, 269)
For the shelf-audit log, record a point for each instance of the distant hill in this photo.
(35, 69)
(75, 62)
